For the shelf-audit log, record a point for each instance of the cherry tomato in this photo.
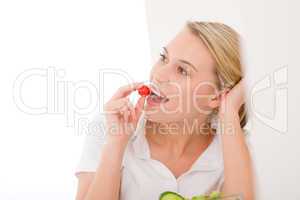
(144, 90)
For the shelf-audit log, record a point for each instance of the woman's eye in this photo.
(162, 57)
(182, 71)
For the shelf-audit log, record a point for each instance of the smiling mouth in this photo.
(157, 98)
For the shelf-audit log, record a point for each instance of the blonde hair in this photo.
(224, 44)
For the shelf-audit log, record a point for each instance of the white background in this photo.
(39, 152)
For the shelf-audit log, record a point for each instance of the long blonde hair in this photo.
(224, 44)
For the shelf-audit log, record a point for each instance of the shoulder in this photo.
(95, 140)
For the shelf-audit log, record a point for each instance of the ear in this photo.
(214, 101)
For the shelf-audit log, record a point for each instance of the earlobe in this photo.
(214, 101)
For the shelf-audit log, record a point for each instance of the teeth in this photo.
(156, 95)
(153, 93)
(158, 98)
(155, 90)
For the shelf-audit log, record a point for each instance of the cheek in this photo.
(181, 99)
(200, 98)
(180, 102)
(153, 70)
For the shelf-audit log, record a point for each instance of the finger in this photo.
(123, 110)
(126, 90)
(226, 90)
(127, 125)
(223, 103)
(222, 91)
(139, 106)
(121, 125)
(132, 116)
(116, 105)
(126, 115)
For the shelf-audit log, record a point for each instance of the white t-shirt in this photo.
(146, 178)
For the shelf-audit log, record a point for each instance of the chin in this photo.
(167, 112)
(156, 117)
(161, 117)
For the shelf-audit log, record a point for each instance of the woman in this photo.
(169, 143)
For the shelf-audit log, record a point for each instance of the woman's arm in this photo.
(84, 181)
(238, 173)
(238, 176)
(106, 180)
(121, 121)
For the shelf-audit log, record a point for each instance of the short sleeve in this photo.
(92, 147)
(94, 141)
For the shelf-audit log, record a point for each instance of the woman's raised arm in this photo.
(238, 172)
(121, 121)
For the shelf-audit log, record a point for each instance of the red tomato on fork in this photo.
(144, 90)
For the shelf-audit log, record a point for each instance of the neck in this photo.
(179, 137)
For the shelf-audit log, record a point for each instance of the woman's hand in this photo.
(121, 120)
(121, 116)
(232, 99)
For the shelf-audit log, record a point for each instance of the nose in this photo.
(159, 80)
(161, 76)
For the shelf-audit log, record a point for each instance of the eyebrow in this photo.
(184, 61)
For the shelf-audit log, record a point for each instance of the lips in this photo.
(156, 96)
(155, 89)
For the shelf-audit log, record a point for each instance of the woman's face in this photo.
(185, 74)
